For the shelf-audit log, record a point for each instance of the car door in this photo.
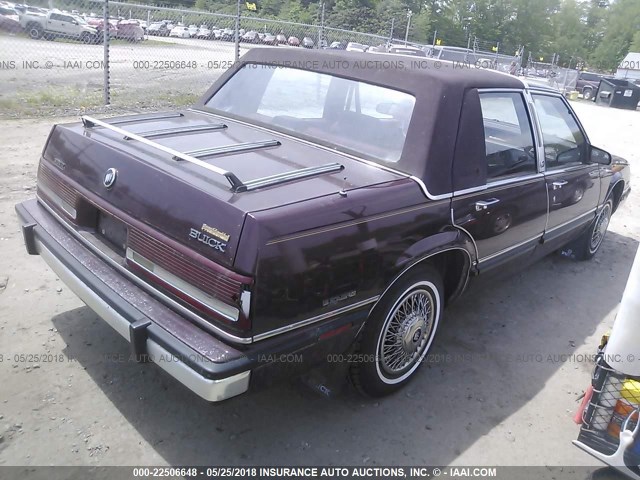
(62, 24)
(573, 183)
(505, 214)
(54, 23)
(72, 27)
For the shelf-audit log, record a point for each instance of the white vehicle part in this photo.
(621, 352)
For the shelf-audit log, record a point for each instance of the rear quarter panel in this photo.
(320, 255)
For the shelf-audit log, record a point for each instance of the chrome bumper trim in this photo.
(210, 390)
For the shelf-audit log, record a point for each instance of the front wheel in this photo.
(398, 333)
(587, 94)
(588, 244)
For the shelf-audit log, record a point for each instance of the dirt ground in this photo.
(501, 388)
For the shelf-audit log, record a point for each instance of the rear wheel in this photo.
(86, 38)
(35, 30)
(398, 333)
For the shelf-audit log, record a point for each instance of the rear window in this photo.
(359, 117)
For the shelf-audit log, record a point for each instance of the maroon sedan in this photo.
(130, 30)
(259, 234)
(293, 42)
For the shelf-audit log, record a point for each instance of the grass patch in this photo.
(65, 101)
(50, 101)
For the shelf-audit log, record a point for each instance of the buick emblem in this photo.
(110, 177)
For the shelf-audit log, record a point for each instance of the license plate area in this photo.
(112, 231)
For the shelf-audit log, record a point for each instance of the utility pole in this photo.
(106, 88)
(406, 35)
(321, 31)
(390, 41)
(237, 39)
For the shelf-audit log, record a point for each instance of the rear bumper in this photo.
(212, 368)
(215, 371)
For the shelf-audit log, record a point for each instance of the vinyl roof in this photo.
(411, 74)
(441, 90)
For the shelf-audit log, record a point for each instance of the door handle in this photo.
(559, 184)
(484, 204)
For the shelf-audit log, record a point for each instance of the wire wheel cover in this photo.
(407, 331)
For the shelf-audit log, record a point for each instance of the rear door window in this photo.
(509, 145)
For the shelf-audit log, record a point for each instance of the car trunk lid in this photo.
(193, 202)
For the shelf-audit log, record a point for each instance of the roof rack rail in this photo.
(292, 175)
(234, 148)
(237, 185)
(177, 130)
(149, 117)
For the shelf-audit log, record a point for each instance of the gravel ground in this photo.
(504, 396)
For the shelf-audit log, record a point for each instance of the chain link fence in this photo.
(551, 75)
(63, 56)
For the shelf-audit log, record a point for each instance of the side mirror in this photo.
(597, 155)
(74, 22)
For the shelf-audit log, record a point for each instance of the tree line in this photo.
(594, 34)
(589, 33)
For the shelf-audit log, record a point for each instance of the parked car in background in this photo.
(337, 46)
(216, 34)
(130, 30)
(293, 41)
(281, 39)
(203, 32)
(159, 29)
(307, 42)
(10, 20)
(55, 24)
(269, 39)
(98, 24)
(228, 35)
(28, 9)
(406, 50)
(356, 47)
(587, 84)
(346, 243)
(193, 30)
(251, 37)
(180, 32)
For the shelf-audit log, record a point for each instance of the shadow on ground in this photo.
(498, 347)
